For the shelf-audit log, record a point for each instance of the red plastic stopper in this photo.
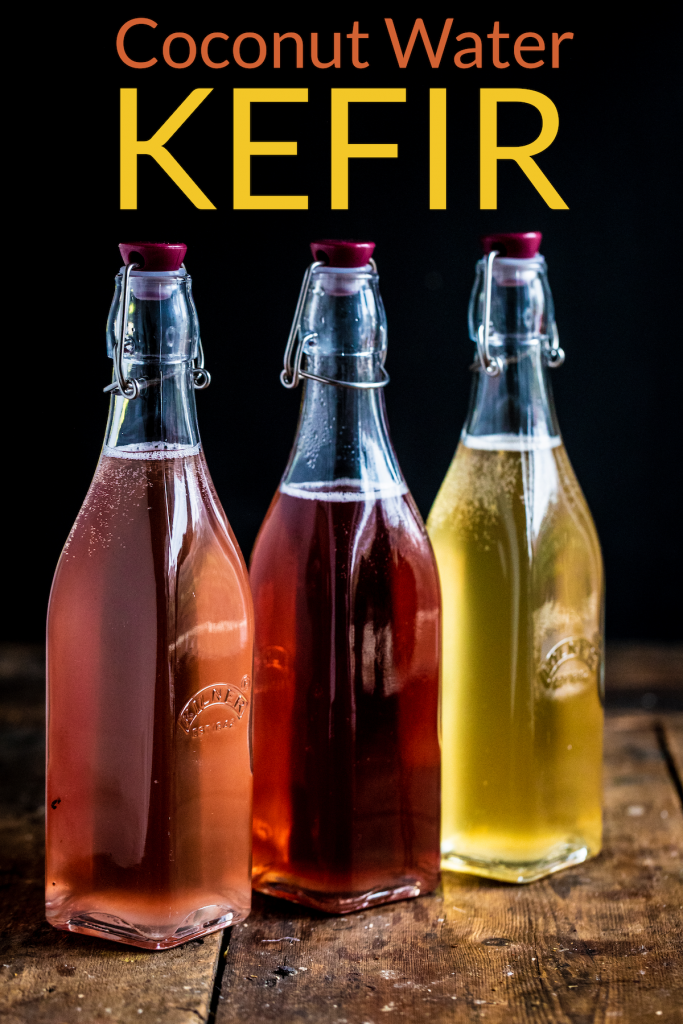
(336, 253)
(518, 245)
(153, 255)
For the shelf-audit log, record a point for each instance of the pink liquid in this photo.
(346, 754)
(149, 665)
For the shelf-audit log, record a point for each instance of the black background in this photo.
(613, 261)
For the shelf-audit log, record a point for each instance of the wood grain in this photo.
(672, 729)
(51, 977)
(642, 666)
(600, 943)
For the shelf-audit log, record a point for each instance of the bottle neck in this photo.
(342, 435)
(517, 401)
(160, 342)
(342, 438)
(163, 415)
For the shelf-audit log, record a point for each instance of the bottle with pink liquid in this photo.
(346, 594)
(150, 636)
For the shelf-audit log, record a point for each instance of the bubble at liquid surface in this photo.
(151, 451)
(345, 490)
(510, 442)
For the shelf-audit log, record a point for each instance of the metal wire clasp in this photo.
(292, 373)
(127, 388)
(555, 354)
(201, 378)
(130, 387)
(491, 365)
(494, 365)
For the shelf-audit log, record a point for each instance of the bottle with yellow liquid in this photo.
(522, 588)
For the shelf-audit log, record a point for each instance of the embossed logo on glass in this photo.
(220, 696)
(569, 666)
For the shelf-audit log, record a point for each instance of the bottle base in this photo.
(344, 903)
(109, 926)
(519, 872)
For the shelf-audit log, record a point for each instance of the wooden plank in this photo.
(647, 676)
(642, 666)
(568, 949)
(672, 728)
(51, 977)
(601, 942)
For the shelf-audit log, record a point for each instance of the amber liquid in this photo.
(521, 579)
(149, 664)
(346, 797)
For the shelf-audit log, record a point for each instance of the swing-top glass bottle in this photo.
(346, 756)
(522, 586)
(149, 661)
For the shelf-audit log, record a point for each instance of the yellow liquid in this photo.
(521, 706)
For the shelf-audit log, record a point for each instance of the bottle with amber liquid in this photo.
(150, 634)
(522, 585)
(346, 598)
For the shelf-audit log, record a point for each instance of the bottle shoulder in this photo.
(341, 523)
(342, 435)
(153, 515)
(535, 485)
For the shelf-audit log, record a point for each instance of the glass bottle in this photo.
(346, 597)
(150, 634)
(522, 586)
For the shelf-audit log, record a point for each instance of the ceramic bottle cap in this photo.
(521, 245)
(338, 253)
(153, 255)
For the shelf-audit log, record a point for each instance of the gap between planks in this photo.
(596, 943)
(599, 943)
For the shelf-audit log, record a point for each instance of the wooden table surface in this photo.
(602, 942)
